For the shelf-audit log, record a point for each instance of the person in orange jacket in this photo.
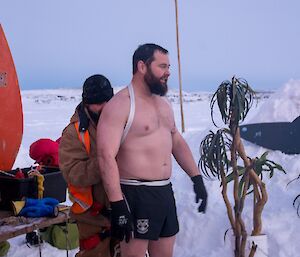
(79, 166)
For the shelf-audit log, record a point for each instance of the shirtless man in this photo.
(136, 162)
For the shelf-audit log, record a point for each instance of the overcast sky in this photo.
(58, 43)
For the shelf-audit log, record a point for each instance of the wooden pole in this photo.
(179, 69)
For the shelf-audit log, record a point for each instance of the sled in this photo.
(11, 114)
(11, 226)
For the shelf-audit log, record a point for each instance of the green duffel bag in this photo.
(62, 236)
(4, 247)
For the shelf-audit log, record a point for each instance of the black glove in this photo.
(200, 192)
(121, 221)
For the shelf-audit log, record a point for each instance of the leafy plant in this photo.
(296, 202)
(220, 153)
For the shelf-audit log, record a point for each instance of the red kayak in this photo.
(11, 114)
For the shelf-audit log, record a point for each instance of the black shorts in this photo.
(153, 210)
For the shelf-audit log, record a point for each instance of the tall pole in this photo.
(179, 69)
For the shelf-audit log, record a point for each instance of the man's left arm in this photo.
(183, 154)
(185, 159)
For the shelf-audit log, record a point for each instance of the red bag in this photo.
(45, 152)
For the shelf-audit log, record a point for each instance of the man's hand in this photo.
(121, 221)
(200, 192)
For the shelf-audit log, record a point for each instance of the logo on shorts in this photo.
(142, 226)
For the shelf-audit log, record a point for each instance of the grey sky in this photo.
(59, 43)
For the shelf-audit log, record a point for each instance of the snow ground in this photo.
(47, 112)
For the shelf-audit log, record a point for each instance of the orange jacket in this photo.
(81, 197)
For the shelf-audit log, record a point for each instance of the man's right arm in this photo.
(109, 132)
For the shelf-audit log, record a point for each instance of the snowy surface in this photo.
(47, 112)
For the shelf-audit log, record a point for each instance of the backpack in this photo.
(62, 236)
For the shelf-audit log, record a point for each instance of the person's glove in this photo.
(121, 221)
(44, 201)
(45, 207)
(200, 192)
(41, 210)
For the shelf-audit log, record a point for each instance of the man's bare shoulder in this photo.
(119, 100)
(164, 103)
(117, 109)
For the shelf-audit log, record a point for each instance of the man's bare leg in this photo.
(135, 248)
(162, 247)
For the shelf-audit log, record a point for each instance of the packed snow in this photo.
(47, 112)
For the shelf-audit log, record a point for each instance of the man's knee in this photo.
(146, 254)
(135, 248)
(162, 247)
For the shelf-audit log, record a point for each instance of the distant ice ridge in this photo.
(74, 95)
(50, 95)
(283, 105)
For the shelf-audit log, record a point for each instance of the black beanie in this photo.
(96, 90)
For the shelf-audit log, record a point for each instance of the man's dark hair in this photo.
(145, 53)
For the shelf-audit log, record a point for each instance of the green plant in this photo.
(222, 152)
(296, 202)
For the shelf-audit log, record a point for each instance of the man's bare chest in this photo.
(150, 119)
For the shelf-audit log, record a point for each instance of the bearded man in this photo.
(136, 137)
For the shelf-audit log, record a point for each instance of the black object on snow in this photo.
(282, 136)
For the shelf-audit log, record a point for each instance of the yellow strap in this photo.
(40, 180)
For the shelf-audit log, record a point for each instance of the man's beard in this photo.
(154, 84)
